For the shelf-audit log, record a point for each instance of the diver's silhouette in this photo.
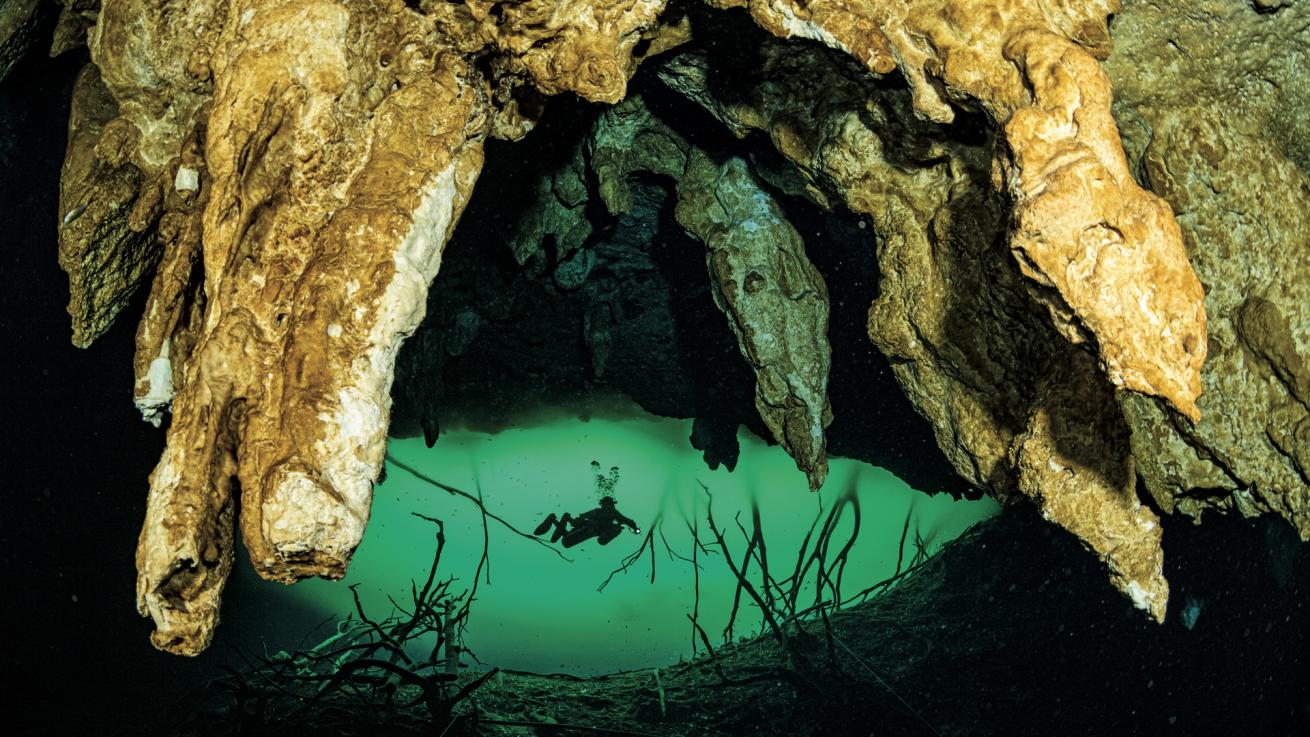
(603, 523)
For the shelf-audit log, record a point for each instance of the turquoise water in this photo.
(537, 611)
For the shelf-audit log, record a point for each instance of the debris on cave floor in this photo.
(980, 639)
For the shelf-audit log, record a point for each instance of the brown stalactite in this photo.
(954, 313)
(290, 175)
(324, 221)
(1075, 202)
(106, 255)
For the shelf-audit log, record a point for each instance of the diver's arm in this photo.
(625, 521)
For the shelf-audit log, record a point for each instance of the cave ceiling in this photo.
(1074, 254)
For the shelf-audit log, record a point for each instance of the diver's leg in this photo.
(561, 527)
(579, 534)
(545, 524)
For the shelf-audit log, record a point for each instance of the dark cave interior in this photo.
(1011, 630)
(502, 338)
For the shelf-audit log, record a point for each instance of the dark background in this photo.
(76, 454)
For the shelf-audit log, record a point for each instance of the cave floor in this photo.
(1008, 630)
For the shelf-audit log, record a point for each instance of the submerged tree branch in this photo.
(476, 500)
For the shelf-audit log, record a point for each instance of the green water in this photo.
(541, 613)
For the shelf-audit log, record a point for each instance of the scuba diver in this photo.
(604, 523)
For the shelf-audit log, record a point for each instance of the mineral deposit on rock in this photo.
(953, 313)
(1087, 234)
(336, 159)
(105, 243)
(18, 23)
(1226, 146)
(776, 301)
(774, 298)
(286, 176)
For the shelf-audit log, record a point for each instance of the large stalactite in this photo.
(286, 176)
(1104, 256)
(776, 301)
(327, 209)
(954, 314)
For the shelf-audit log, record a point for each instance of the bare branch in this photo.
(461, 493)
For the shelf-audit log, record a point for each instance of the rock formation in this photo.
(327, 208)
(302, 167)
(1227, 143)
(953, 314)
(19, 20)
(776, 301)
(1086, 235)
(287, 178)
(105, 240)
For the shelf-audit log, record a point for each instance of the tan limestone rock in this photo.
(75, 18)
(294, 170)
(153, 57)
(175, 310)
(1211, 99)
(939, 243)
(570, 45)
(325, 219)
(954, 314)
(1106, 256)
(105, 250)
(1032, 66)
(1075, 461)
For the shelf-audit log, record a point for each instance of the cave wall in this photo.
(290, 176)
(20, 24)
(1225, 143)
(565, 301)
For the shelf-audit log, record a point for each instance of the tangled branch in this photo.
(367, 664)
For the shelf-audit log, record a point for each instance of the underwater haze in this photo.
(538, 611)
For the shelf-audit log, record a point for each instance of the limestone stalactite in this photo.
(953, 314)
(294, 172)
(1088, 237)
(286, 176)
(937, 231)
(776, 301)
(1104, 256)
(328, 198)
(1074, 460)
(105, 243)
